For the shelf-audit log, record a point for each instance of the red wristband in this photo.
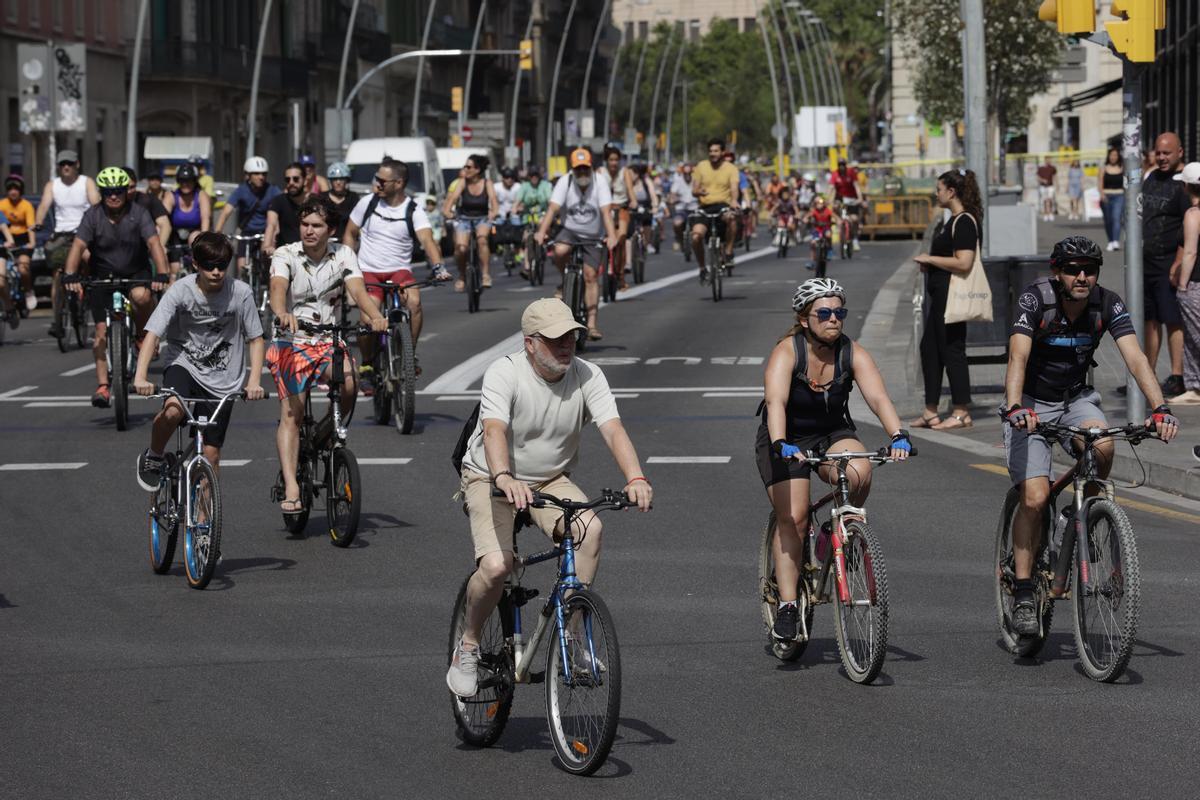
(638, 478)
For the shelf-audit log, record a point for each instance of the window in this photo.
(99, 20)
(10, 11)
(643, 29)
(629, 31)
(80, 13)
(56, 9)
(695, 30)
(748, 24)
(35, 13)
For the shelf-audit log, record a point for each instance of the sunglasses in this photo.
(384, 181)
(294, 178)
(1089, 270)
(219, 266)
(118, 191)
(825, 314)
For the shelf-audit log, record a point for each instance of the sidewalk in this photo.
(890, 335)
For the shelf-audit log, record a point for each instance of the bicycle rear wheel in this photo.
(1024, 646)
(474, 287)
(481, 718)
(862, 623)
(404, 397)
(573, 297)
(164, 528)
(118, 358)
(381, 398)
(78, 322)
(296, 523)
(583, 695)
(343, 501)
(62, 316)
(769, 591)
(202, 531)
(639, 261)
(1107, 594)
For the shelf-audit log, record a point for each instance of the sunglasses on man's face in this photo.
(383, 181)
(294, 178)
(825, 314)
(118, 191)
(219, 266)
(62, 164)
(1089, 270)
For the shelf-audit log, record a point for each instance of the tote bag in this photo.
(970, 297)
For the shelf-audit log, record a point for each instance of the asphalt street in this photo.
(309, 671)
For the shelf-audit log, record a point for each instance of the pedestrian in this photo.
(944, 346)
(1164, 203)
(1187, 288)
(1075, 189)
(1112, 197)
(1045, 176)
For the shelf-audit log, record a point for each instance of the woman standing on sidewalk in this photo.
(1075, 189)
(1112, 197)
(1187, 289)
(944, 347)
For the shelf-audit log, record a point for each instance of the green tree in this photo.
(1021, 51)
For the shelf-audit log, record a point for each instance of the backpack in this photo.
(464, 440)
(843, 359)
(1051, 313)
(418, 251)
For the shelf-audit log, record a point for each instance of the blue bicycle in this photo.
(583, 664)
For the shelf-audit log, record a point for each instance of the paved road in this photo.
(309, 671)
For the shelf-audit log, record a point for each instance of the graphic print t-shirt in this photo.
(581, 208)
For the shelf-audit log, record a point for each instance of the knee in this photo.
(1034, 496)
(494, 568)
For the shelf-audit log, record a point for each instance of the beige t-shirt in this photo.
(545, 420)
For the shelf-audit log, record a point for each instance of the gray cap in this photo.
(67, 155)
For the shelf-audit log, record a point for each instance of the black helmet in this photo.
(1076, 248)
(186, 172)
(508, 172)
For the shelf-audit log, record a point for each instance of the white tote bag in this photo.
(970, 297)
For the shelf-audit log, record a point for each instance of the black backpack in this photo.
(464, 440)
(418, 252)
(843, 356)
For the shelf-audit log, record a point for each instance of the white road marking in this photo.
(383, 462)
(625, 396)
(687, 460)
(59, 404)
(444, 397)
(460, 377)
(733, 394)
(89, 367)
(14, 392)
(235, 462)
(425, 337)
(42, 466)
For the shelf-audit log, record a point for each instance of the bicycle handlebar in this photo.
(1133, 432)
(428, 283)
(880, 456)
(608, 499)
(164, 392)
(245, 237)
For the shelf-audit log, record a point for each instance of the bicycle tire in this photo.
(713, 263)
(404, 367)
(531, 249)
(62, 316)
(381, 398)
(78, 322)
(202, 540)
(608, 284)
(296, 523)
(343, 501)
(639, 261)
(118, 385)
(481, 718)
(573, 295)
(164, 528)
(473, 288)
(769, 593)
(1108, 598)
(1023, 646)
(862, 635)
(583, 740)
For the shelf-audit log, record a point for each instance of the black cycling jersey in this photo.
(818, 409)
(1063, 349)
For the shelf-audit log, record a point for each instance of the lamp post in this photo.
(587, 71)
(134, 77)
(251, 122)
(787, 73)
(416, 110)
(346, 52)
(387, 62)
(464, 111)
(612, 81)
(562, 46)
(637, 82)
(512, 117)
(662, 68)
(671, 96)
(775, 93)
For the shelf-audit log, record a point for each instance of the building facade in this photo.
(1171, 87)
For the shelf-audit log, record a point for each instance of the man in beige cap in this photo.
(531, 416)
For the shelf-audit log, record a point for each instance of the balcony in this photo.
(228, 66)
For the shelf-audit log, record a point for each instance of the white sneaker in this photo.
(463, 675)
(857, 246)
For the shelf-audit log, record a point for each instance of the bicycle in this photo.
(70, 316)
(118, 317)
(843, 565)
(507, 236)
(258, 275)
(848, 227)
(574, 287)
(15, 291)
(638, 220)
(1099, 572)
(583, 663)
(535, 255)
(395, 366)
(749, 225)
(714, 254)
(822, 240)
(782, 238)
(473, 277)
(323, 444)
(188, 490)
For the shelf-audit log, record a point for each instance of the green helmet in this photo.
(112, 178)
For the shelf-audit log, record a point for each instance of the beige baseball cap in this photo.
(1189, 174)
(549, 317)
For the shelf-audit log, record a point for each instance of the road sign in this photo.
(53, 86)
(467, 133)
(631, 140)
(779, 130)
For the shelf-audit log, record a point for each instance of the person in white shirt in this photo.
(308, 281)
(683, 204)
(587, 217)
(70, 195)
(507, 190)
(532, 410)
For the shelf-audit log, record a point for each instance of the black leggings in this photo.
(944, 348)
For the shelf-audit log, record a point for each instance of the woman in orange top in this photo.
(18, 215)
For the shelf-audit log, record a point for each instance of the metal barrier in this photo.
(904, 215)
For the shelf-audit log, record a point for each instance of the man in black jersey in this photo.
(1059, 323)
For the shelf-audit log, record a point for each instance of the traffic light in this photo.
(1072, 16)
(1133, 34)
(456, 98)
(527, 54)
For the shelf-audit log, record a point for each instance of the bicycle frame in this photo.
(191, 457)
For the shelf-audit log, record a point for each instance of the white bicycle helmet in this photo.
(338, 169)
(814, 289)
(255, 164)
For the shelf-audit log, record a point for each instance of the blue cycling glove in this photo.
(785, 450)
(900, 441)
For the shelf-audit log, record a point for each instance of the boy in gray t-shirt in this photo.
(208, 321)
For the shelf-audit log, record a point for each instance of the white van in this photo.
(424, 173)
(452, 160)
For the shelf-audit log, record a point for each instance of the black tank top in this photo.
(819, 410)
(473, 205)
(1112, 181)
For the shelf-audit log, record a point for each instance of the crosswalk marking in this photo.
(14, 392)
(34, 467)
(687, 460)
(235, 462)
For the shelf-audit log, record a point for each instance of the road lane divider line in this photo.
(733, 394)
(11, 393)
(71, 373)
(37, 467)
(59, 404)
(460, 377)
(235, 462)
(625, 395)
(687, 460)
(383, 462)
(1149, 508)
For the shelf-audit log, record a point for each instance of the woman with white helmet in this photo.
(339, 199)
(807, 387)
(250, 200)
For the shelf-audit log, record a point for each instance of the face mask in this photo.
(583, 181)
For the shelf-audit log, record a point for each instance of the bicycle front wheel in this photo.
(344, 498)
(1024, 646)
(62, 316)
(78, 322)
(381, 398)
(164, 528)
(769, 592)
(862, 621)
(482, 717)
(202, 533)
(639, 261)
(1107, 593)
(404, 360)
(583, 684)
(118, 358)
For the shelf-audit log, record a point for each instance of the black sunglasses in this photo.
(384, 181)
(113, 191)
(220, 266)
(294, 178)
(824, 314)
(1090, 270)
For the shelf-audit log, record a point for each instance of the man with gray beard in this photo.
(531, 415)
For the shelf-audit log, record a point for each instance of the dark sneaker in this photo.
(150, 470)
(703, 276)
(785, 623)
(1173, 386)
(102, 396)
(463, 675)
(1025, 618)
(14, 319)
(56, 332)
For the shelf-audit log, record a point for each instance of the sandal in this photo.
(293, 506)
(960, 423)
(926, 421)
(594, 334)
(487, 281)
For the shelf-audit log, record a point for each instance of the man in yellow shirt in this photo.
(17, 213)
(715, 186)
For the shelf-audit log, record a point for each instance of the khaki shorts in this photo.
(492, 517)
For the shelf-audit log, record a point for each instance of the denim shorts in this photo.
(472, 225)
